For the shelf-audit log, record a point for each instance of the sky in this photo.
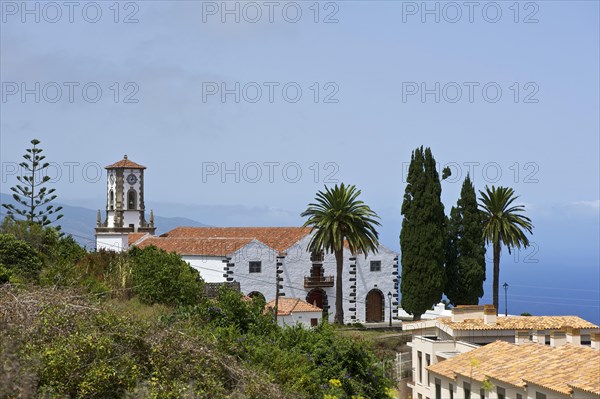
(241, 111)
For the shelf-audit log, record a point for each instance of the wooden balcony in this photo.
(316, 282)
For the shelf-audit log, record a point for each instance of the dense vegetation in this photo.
(75, 324)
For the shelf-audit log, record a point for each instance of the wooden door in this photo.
(374, 306)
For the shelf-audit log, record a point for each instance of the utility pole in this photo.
(390, 302)
(278, 271)
(505, 285)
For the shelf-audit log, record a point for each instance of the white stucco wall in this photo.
(263, 282)
(297, 265)
(210, 267)
(111, 242)
(423, 346)
(303, 318)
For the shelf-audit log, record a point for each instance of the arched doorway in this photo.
(375, 306)
(318, 297)
(256, 295)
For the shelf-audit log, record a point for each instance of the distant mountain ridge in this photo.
(80, 222)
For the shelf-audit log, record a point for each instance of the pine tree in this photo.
(32, 197)
(465, 256)
(423, 236)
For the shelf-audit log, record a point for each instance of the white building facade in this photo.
(293, 311)
(369, 285)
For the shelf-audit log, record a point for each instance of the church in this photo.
(266, 261)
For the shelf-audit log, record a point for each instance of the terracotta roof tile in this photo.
(520, 323)
(125, 163)
(278, 238)
(558, 369)
(134, 237)
(288, 306)
(196, 246)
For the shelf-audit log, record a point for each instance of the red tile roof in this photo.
(288, 306)
(559, 369)
(125, 163)
(520, 323)
(278, 238)
(196, 246)
(134, 237)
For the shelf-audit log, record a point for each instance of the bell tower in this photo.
(125, 209)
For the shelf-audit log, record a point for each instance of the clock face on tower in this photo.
(131, 179)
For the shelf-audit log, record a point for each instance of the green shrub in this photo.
(162, 277)
(19, 258)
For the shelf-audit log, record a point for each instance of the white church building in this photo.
(265, 261)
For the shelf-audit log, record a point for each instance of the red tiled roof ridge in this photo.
(276, 237)
(135, 238)
(196, 246)
(288, 306)
(125, 163)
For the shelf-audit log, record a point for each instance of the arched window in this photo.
(131, 199)
(256, 294)
(111, 200)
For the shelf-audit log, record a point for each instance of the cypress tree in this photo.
(465, 256)
(423, 236)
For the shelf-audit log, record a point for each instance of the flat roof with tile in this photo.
(288, 306)
(278, 238)
(559, 369)
(520, 323)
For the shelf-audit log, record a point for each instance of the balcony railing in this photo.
(314, 282)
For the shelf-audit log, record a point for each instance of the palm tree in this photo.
(503, 223)
(338, 216)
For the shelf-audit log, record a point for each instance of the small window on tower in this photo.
(131, 199)
(111, 200)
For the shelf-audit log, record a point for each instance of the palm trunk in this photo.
(496, 274)
(339, 300)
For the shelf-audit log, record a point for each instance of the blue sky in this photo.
(540, 135)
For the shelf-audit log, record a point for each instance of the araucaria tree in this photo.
(503, 223)
(32, 197)
(465, 258)
(338, 216)
(423, 236)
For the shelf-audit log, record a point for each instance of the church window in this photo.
(131, 199)
(255, 267)
(111, 200)
(375, 265)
